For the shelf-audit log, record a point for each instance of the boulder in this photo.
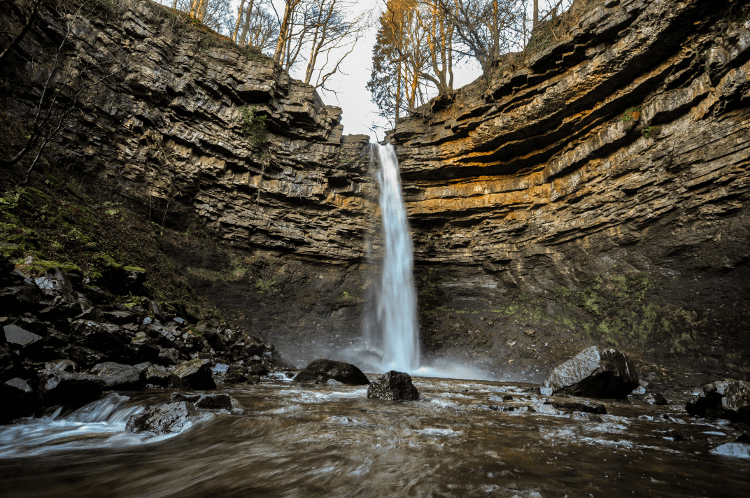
(116, 376)
(69, 389)
(157, 376)
(321, 370)
(655, 399)
(254, 346)
(164, 419)
(735, 450)
(86, 357)
(728, 399)
(56, 284)
(580, 406)
(62, 364)
(190, 398)
(20, 298)
(394, 386)
(215, 402)
(193, 374)
(97, 336)
(15, 336)
(18, 400)
(168, 356)
(595, 373)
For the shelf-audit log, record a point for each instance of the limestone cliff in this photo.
(593, 191)
(593, 183)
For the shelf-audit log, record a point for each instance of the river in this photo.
(288, 440)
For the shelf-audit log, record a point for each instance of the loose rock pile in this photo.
(63, 343)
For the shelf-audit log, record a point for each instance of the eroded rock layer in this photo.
(595, 185)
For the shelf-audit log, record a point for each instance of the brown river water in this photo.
(288, 440)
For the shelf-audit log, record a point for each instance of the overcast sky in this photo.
(351, 93)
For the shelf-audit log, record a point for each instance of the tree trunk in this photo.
(281, 43)
(237, 24)
(536, 12)
(246, 25)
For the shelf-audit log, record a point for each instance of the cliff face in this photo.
(268, 229)
(596, 182)
(593, 192)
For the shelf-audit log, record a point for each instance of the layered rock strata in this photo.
(619, 152)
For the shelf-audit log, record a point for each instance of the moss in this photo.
(59, 227)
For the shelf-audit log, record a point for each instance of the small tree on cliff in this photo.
(64, 85)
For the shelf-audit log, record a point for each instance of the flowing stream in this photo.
(396, 300)
(464, 438)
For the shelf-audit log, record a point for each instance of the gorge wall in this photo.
(595, 191)
(597, 188)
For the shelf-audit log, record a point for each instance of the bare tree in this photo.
(64, 86)
(330, 33)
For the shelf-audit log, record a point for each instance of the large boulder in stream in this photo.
(323, 370)
(728, 399)
(594, 373)
(393, 386)
(172, 417)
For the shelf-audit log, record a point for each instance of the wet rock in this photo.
(62, 364)
(16, 336)
(580, 406)
(194, 374)
(20, 298)
(729, 399)
(17, 399)
(56, 284)
(655, 399)
(190, 398)
(157, 376)
(321, 370)
(164, 419)
(116, 376)
(258, 369)
(735, 450)
(118, 317)
(396, 386)
(86, 357)
(672, 434)
(254, 346)
(69, 389)
(215, 402)
(595, 373)
(94, 335)
(169, 356)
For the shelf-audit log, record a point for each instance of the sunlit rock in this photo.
(595, 373)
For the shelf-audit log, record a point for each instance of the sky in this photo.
(359, 113)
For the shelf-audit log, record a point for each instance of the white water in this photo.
(396, 302)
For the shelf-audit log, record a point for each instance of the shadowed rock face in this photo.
(590, 193)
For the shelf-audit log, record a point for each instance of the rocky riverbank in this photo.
(63, 345)
(590, 192)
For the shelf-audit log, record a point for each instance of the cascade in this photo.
(396, 299)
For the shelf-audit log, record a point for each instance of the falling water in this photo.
(396, 302)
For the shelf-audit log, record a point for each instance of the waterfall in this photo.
(396, 299)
